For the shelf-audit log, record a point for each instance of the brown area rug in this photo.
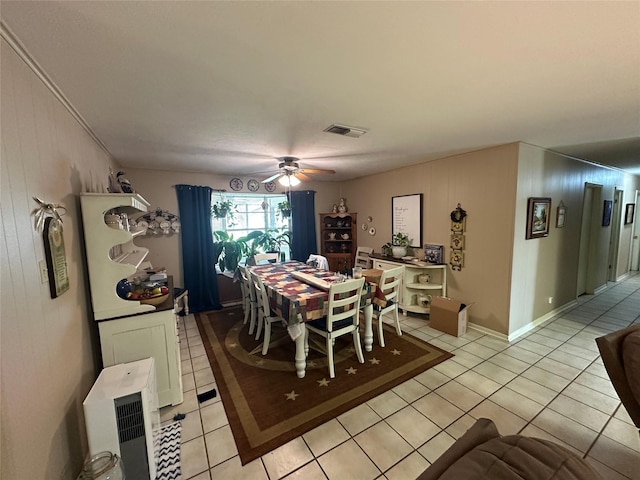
(268, 405)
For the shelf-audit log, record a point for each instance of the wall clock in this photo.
(235, 184)
(253, 185)
(270, 186)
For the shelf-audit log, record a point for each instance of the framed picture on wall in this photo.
(406, 217)
(629, 213)
(538, 217)
(606, 213)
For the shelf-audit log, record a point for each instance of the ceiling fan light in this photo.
(289, 181)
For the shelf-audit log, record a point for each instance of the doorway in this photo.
(587, 261)
(614, 239)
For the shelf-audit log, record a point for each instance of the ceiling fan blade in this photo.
(315, 170)
(272, 177)
(302, 176)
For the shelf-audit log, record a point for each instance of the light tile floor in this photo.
(549, 383)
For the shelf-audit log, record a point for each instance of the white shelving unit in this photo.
(111, 253)
(411, 286)
(129, 330)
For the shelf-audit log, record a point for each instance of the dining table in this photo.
(297, 301)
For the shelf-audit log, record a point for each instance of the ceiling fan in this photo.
(291, 174)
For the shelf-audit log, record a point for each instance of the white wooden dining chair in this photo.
(362, 257)
(265, 316)
(273, 257)
(342, 318)
(390, 284)
(249, 303)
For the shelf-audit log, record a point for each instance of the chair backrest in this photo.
(344, 301)
(273, 257)
(362, 257)
(245, 283)
(318, 261)
(261, 294)
(390, 282)
(611, 352)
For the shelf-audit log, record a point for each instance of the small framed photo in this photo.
(629, 213)
(561, 216)
(538, 217)
(606, 213)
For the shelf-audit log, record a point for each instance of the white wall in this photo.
(548, 267)
(47, 345)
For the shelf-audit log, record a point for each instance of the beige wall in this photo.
(157, 188)
(47, 352)
(483, 182)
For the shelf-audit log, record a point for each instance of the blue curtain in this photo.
(200, 276)
(303, 223)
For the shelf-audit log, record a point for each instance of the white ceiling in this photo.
(226, 87)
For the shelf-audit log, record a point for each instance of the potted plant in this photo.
(285, 209)
(223, 209)
(228, 251)
(398, 245)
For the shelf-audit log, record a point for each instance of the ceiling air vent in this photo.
(345, 131)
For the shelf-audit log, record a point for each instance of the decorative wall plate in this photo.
(365, 227)
(372, 231)
(457, 241)
(270, 187)
(235, 184)
(369, 219)
(253, 185)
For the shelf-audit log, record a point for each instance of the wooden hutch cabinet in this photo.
(339, 239)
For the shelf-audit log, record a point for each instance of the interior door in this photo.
(614, 240)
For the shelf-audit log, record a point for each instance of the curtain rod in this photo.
(221, 190)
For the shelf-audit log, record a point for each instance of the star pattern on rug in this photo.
(323, 383)
(374, 361)
(292, 395)
(311, 364)
(260, 362)
(396, 352)
(233, 345)
(351, 370)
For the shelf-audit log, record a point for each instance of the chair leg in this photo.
(259, 329)
(252, 323)
(267, 336)
(332, 372)
(380, 331)
(398, 329)
(247, 311)
(306, 342)
(356, 344)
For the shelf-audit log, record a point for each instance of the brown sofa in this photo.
(481, 453)
(620, 353)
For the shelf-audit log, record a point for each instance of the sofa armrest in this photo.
(481, 431)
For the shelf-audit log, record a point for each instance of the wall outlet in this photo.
(550, 300)
(44, 272)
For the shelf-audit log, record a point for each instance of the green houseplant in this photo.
(399, 244)
(285, 209)
(227, 250)
(223, 209)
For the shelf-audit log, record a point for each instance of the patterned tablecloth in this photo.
(294, 300)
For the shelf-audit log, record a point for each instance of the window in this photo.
(253, 212)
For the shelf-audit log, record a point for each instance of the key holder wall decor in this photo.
(48, 220)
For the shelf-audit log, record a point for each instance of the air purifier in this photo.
(122, 417)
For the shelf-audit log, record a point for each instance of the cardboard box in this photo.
(448, 316)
